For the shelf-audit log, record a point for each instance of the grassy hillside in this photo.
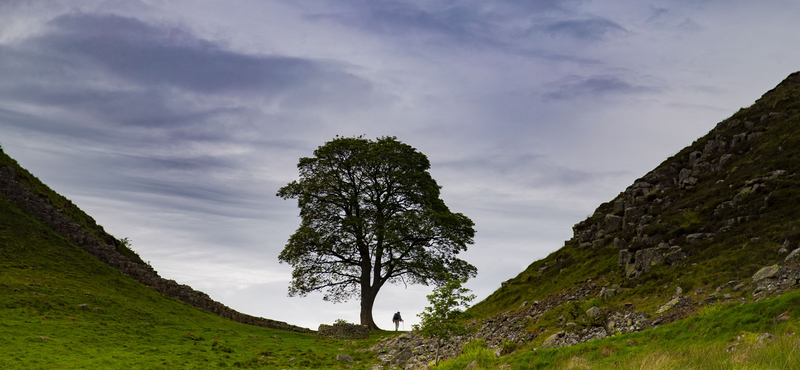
(60, 308)
(693, 231)
(66, 207)
(733, 336)
(743, 205)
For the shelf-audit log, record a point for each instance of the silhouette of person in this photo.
(396, 320)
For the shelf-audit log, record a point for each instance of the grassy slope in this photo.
(731, 255)
(699, 342)
(44, 280)
(68, 209)
(734, 254)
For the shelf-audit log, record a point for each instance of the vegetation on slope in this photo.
(734, 336)
(66, 207)
(61, 308)
(746, 224)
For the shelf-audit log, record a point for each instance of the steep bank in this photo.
(35, 199)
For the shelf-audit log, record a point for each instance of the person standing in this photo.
(396, 319)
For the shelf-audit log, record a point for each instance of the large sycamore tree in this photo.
(370, 215)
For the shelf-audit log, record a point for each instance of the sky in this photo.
(174, 123)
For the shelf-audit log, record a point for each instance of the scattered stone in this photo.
(83, 306)
(593, 312)
(575, 362)
(784, 247)
(793, 257)
(343, 357)
(764, 338)
(607, 293)
(625, 257)
(698, 237)
(402, 357)
(550, 342)
(668, 306)
(732, 347)
(782, 317)
(472, 365)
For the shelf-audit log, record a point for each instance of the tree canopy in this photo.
(370, 215)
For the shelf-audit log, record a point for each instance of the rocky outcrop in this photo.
(579, 327)
(635, 219)
(643, 260)
(103, 248)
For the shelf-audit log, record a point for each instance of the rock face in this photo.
(104, 249)
(343, 331)
(651, 225)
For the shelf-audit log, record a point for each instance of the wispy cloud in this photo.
(591, 29)
(596, 86)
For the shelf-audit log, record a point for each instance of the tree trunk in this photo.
(367, 300)
(438, 345)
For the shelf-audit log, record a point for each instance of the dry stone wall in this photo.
(343, 331)
(105, 251)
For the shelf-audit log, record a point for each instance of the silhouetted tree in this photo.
(371, 214)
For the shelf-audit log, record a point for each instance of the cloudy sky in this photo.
(174, 123)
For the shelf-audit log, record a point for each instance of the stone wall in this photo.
(343, 331)
(39, 208)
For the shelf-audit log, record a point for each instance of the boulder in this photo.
(552, 341)
(619, 206)
(738, 138)
(793, 257)
(694, 156)
(613, 223)
(402, 357)
(764, 338)
(625, 257)
(646, 258)
(675, 255)
(766, 273)
(698, 237)
(668, 306)
(724, 159)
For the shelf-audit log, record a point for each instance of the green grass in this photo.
(63, 309)
(698, 342)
